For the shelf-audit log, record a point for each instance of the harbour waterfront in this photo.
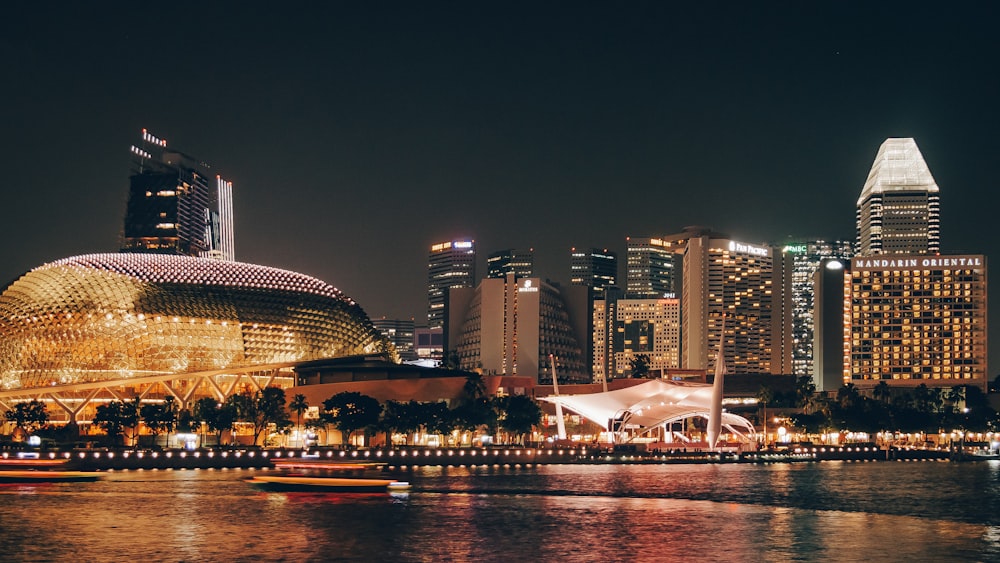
(831, 511)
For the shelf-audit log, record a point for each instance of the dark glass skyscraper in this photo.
(175, 205)
(521, 263)
(595, 268)
(806, 259)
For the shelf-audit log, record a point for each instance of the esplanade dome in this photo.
(106, 317)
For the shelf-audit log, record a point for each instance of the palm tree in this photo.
(299, 405)
(764, 396)
(804, 390)
(881, 392)
(639, 366)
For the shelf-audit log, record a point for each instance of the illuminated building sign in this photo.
(463, 244)
(527, 287)
(795, 249)
(917, 262)
(748, 249)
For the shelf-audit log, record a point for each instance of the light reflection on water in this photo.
(782, 512)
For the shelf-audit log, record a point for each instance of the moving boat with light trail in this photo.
(316, 475)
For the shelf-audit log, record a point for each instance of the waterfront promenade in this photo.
(102, 460)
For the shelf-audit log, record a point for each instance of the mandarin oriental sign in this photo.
(907, 262)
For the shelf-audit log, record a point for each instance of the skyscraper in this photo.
(175, 206)
(595, 268)
(806, 258)
(899, 210)
(746, 283)
(917, 319)
(400, 333)
(521, 263)
(510, 326)
(650, 266)
(449, 264)
(626, 328)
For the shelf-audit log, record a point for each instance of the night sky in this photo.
(358, 134)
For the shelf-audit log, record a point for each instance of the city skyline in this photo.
(356, 138)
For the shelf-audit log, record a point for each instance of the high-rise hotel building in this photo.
(899, 210)
(175, 205)
(449, 264)
(746, 284)
(908, 314)
(510, 326)
(916, 318)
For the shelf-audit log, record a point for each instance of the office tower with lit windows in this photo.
(625, 328)
(746, 283)
(595, 268)
(917, 319)
(806, 258)
(449, 264)
(649, 267)
(176, 205)
(521, 263)
(899, 210)
(400, 332)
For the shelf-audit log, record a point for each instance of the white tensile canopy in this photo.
(650, 404)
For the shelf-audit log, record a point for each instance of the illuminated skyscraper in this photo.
(400, 333)
(510, 326)
(914, 319)
(746, 283)
(521, 263)
(175, 205)
(899, 209)
(595, 268)
(449, 264)
(650, 268)
(806, 258)
(626, 328)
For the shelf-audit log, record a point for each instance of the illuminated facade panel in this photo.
(449, 264)
(898, 211)
(918, 319)
(106, 317)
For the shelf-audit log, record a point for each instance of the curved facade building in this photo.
(116, 317)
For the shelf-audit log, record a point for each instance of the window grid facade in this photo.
(914, 322)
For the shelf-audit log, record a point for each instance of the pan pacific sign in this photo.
(909, 262)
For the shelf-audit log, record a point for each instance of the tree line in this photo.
(512, 416)
(884, 408)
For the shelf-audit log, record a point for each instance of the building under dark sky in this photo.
(356, 136)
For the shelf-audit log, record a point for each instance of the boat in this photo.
(34, 470)
(314, 475)
(44, 476)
